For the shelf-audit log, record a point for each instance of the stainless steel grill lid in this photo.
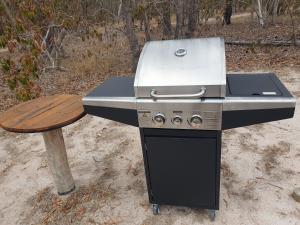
(190, 68)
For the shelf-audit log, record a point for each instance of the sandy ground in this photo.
(260, 168)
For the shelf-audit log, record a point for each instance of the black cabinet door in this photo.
(182, 170)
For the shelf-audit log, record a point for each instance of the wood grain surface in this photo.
(43, 114)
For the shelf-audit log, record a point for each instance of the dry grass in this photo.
(72, 209)
(272, 154)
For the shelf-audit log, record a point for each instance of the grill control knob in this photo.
(196, 121)
(159, 119)
(177, 120)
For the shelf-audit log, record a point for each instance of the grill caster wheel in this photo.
(212, 215)
(155, 209)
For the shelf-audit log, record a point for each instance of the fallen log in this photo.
(264, 43)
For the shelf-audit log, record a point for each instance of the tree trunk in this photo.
(48, 40)
(59, 49)
(129, 32)
(184, 15)
(2, 22)
(141, 24)
(192, 17)
(291, 12)
(147, 27)
(227, 12)
(166, 17)
(260, 13)
(253, 11)
(179, 18)
(274, 9)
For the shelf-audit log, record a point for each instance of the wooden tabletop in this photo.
(43, 114)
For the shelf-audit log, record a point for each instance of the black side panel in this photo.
(182, 166)
(233, 119)
(126, 116)
(114, 87)
(146, 165)
(218, 167)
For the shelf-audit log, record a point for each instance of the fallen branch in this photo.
(274, 185)
(49, 68)
(46, 218)
(265, 43)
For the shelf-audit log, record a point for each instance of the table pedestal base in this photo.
(58, 161)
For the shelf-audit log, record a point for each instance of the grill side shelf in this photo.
(255, 85)
(114, 87)
(255, 98)
(114, 100)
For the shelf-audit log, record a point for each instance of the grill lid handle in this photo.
(155, 96)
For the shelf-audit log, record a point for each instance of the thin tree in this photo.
(126, 12)
(260, 13)
(147, 26)
(275, 7)
(291, 5)
(194, 7)
(179, 18)
(166, 17)
(227, 12)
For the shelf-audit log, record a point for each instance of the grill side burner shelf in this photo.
(238, 112)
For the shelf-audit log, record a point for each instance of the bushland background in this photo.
(57, 46)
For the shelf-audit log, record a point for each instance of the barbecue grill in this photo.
(181, 99)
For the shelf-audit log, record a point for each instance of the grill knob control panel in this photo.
(171, 119)
(159, 119)
(177, 120)
(196, 121)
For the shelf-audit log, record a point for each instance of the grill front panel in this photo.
(180, 114)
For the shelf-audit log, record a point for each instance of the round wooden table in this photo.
(48, 115)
